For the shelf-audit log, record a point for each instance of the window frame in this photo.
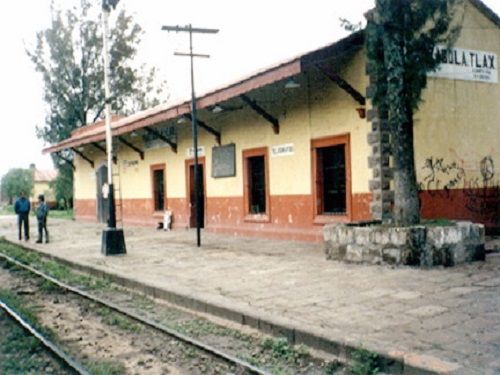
(320, 217)
(264, 217)
(153, 168)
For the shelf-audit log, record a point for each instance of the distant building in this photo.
(41, 185)
(281, 158)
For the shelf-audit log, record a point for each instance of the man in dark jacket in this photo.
(42, 212)
(22, 208)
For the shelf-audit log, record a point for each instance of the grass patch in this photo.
(53, 268)
(200, 327)
(19, 352)
(115, 319)
(22, 308)
(365, 362)
(105, 368)
(142, 302)
(61, 214)
(7, 210)
(57, 214)
(439, 222)
(332, 367)
(278, 356)
(280, 349)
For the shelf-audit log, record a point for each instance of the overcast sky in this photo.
(253, 34)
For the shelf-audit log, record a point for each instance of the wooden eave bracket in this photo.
(158, 135)
(99, 147)
(130, 145)
(204, 126)
(344, 85)
(262, 112)
(70, 162)
(82, 155)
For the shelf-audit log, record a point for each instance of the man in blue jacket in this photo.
(22, 208)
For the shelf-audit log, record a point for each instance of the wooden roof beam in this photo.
(130, 145)
(99, 147)
(82, 155)
(262, 112)
(158, 135)
(204, 126)
(344, 85)
(70, 162)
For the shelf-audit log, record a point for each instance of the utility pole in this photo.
(194, 126)
(113, 240)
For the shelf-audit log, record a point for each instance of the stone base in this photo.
(113, 242)
(419, 245)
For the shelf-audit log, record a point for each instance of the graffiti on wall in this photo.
(441, 176)
(482, 191)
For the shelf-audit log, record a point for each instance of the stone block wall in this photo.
(417, 245)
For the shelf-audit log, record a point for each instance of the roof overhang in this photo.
(163, 113)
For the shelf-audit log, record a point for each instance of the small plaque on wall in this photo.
(223, 161)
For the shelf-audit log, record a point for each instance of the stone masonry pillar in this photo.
(380, 160)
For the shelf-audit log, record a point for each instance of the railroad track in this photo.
(52, 347)
(242, 366)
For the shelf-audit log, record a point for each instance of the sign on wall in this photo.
(283, 150)
(466, 64)
(223, 161)
(190, 151)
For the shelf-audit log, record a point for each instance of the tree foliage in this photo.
(15, 181)
(63, 187)
(401, 39)
(68, 55)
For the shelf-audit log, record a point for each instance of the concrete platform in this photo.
(442, 320)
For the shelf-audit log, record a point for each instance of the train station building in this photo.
(292, 147)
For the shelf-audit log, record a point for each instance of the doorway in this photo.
(331, 175)
(192, 192)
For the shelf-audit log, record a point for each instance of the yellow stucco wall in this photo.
(317, 109)
(458, 124)
(42, 187)
(84, 177)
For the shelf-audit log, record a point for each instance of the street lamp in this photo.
(113, 240)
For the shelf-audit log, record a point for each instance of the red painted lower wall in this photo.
(85, 209)
(478, 205)
(292, 216)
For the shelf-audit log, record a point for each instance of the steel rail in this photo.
(58, 352)
(148, 322)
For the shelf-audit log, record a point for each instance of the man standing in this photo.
(41, 214)
(22, 208)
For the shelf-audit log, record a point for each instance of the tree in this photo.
(68, 55)
(63, 187)
(401, 39)
(15, 181)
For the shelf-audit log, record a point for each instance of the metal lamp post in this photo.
(113, 239)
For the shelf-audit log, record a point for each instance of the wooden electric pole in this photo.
(197, 177)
